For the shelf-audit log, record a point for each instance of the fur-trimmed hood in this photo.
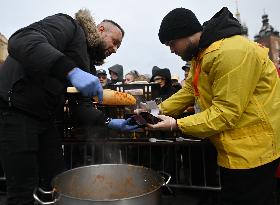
(86, 21)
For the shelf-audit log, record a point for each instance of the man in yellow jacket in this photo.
(236, 92)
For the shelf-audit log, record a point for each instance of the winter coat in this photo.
(235, 86)
(33, 78)
(167, 90)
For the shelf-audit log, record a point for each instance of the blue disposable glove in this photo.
(122, 125)
(88, 84)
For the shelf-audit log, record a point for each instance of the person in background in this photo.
(44, 58)
(163, 78)
(102, 76)
(154, 69)
(131, 76)
(175, 82)
(116, 73)
(147, 77)
(143, 78)
(235, 89)
(186, 69)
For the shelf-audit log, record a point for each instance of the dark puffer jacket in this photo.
(33, 78)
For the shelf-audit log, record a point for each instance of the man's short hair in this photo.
(115, 24)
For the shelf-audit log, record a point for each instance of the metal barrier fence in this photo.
(2, 181)
(192, 164)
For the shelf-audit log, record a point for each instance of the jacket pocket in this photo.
(244, 132)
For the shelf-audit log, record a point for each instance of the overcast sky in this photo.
(141, 48)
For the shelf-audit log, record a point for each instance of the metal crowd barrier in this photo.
(2, 181)
(191, 164)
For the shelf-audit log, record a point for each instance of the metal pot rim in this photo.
(106, 200)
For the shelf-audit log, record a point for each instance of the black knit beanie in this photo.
(178, 23)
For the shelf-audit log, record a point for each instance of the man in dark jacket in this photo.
(44, 58)
(116, 73)
(163, 77)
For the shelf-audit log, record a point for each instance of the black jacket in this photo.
(167, 90)
(33, 77)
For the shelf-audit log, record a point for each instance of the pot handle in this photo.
(43, 192)
(165, 174)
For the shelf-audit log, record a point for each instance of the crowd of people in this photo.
(169, 84)
(232, 90)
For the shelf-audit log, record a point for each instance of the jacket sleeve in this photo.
(84, 113)
(235, 75)
(39, 47)
(178, 102)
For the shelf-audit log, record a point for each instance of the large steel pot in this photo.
(110, 184)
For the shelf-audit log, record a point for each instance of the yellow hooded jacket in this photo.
(239, 101)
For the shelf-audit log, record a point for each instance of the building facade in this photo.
(3, 48)
(270, 38)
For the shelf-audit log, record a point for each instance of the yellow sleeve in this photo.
(235, 75)
(178, 102)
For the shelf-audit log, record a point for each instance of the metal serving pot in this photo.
(110, 184)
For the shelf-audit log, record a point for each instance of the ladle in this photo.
(158, 140)
(180, 139)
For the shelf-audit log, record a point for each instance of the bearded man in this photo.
(44, 58)
(234, 88)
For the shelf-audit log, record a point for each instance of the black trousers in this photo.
(256, 186)
(30, 153)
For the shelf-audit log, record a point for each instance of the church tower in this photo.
(270, 38)
(244, 31)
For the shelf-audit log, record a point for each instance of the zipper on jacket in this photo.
(10, 97)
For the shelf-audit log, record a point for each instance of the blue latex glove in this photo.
(122, 125)
(88, 84)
